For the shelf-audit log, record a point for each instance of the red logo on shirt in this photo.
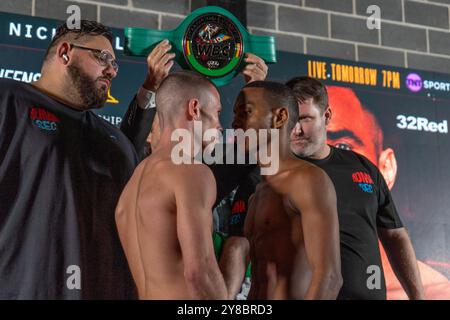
(364, 181)
(362, 177)
(237, 212)
(238, 207)
(44, 119)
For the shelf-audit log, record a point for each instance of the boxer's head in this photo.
(355, 128)
(310, 132)
(185, 97)
(265, 105)
(266, 111)
(84, 60)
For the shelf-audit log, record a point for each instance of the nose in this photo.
(236, 124)
(238, 121)
(109, 71)
(297, 129)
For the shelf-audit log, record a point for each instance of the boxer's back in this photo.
(146, 221)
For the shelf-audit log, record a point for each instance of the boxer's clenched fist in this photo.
(159, 63)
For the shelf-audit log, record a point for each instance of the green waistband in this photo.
(218, 241)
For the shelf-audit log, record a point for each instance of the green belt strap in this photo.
(140, 42)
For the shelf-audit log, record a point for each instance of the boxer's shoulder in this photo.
(193, 172)
(305, 174)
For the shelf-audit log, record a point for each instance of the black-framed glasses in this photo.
(104, 57)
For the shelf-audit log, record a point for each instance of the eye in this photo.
(100, 56)
(343, 146)
(115, 65)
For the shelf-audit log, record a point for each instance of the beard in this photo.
(90, 95)
(307, 146)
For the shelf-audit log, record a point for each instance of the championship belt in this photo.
(210, 41)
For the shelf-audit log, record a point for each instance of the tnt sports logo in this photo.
(364, 181)
(43, 119)
(414, 82)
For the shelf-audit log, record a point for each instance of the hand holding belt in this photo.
(210, 41)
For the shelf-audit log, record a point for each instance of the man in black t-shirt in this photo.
(365, 206)
(235, 249)
(362, 133)
(62, 169)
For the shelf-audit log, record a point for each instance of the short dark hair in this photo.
(178, 87)
(306, 87)
(278, 94)
(87, 28)
(187, 78)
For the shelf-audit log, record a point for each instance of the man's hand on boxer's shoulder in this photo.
(159, 63)
(256, 69)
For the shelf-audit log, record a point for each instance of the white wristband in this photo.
(145, 98)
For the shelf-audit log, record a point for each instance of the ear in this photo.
(193, 109)
(155, 133)
(63, 53)
(280, 117)
(328, 115)
(388, 166)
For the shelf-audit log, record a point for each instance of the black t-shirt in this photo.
(239, 206)
(61, 174)
(364, 204)
(229, 176)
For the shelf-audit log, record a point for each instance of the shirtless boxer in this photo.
(164, 215)
(292, 222)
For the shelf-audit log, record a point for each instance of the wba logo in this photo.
(364, 181)
(44, 119)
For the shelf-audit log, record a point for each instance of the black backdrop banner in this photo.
(397, 117)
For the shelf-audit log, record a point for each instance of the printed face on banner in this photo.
(352, 127)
